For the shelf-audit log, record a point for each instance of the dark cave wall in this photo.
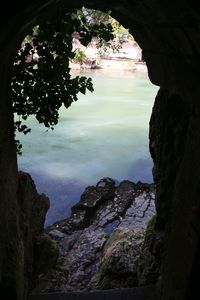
(184, 223)
(169, 34)
(175, 146)
(169, 126)
(11, 260)
(172, 139)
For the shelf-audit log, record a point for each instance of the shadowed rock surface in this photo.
(41, 252)
(100, 243)
(144, 293)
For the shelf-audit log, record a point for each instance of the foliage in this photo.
(99, 17)
(80, 56)
(41, 81)
(120, 34)
(104, 47)
(119, 31)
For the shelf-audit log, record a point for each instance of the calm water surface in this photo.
(104, 133)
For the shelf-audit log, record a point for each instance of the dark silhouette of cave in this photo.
(169, 35)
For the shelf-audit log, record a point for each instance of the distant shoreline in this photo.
(112, 64)
(127, 58)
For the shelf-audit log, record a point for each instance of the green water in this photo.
(104, 133)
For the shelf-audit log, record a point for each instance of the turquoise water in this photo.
(104, 133)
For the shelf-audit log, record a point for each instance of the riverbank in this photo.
(111, 64)
(100, 244)
(128, 57)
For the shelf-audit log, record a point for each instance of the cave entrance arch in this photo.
(173, 64)
(123, 91)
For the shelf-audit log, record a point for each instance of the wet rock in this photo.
(76, 221)
(118, 266)
(56, 234)
(69, 240)
(94, 196)
(141, 210)
(106, 183)
(102, 239)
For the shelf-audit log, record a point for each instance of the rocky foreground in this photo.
(101, 243)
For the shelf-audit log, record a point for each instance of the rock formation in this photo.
(40, 251)
(102, 240)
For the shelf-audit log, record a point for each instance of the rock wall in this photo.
(169, 133)
(174, 146)
(169, 126)
(31, 217)
(182, 218)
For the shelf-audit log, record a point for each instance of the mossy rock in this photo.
(118, 267)
(45, 254)
(150, 227)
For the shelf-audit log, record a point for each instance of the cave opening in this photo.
(104, 122)
(168, 33)
(108, 120)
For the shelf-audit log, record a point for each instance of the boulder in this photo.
(118, 268)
